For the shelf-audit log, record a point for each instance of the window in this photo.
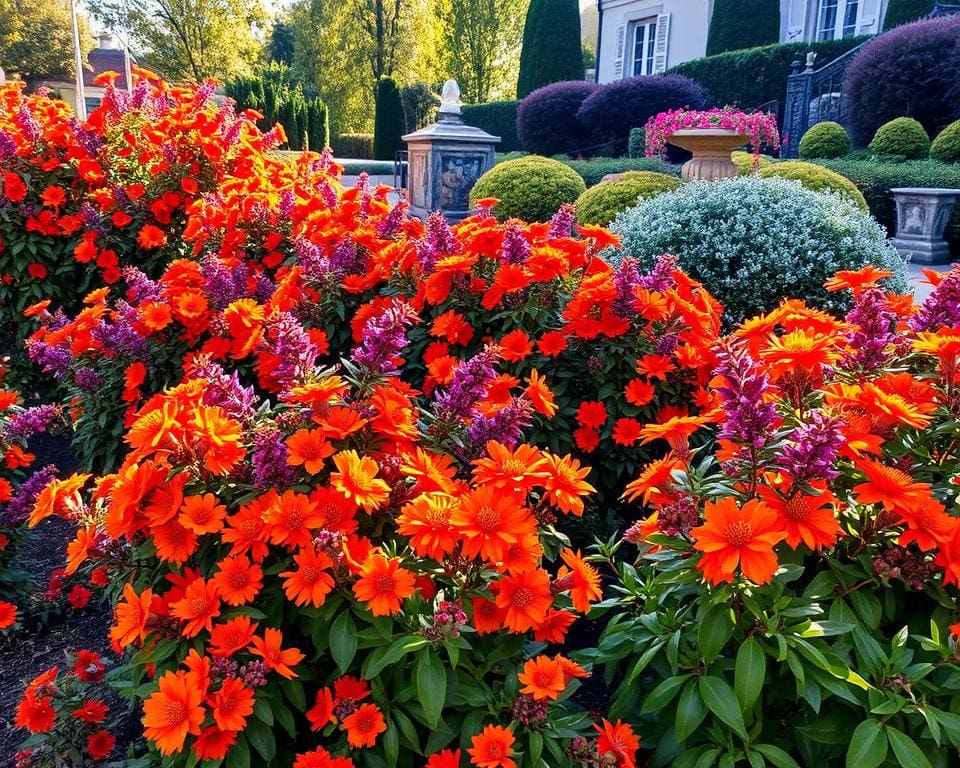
(644, 43)
(827, 21)
(850, 18)
(837, 18)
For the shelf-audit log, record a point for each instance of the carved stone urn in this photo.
(711, 148)
(922, 215)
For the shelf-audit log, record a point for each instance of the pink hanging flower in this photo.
(761, 127)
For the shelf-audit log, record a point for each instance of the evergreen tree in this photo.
(387, 121)
(280, 47)
(903, 11)
(551, 45)
(739, 24)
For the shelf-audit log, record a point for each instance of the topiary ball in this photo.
(816, 178)
(946, 147)
(601, 203)
(902, 137)
(754, 241)
(748, 163)
(825, 140)
(531, 188)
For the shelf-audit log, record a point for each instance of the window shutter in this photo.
(663, 40)
(620, 46)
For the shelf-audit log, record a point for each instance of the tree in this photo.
(280, 47)
(902, 11)
(739, 24)
(551, 45)
(189, 39)
(36, 38)
(381, 22)
(388, 121)
(480, 43)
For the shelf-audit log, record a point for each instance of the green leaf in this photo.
(430, 685)
(263, 711)
(343, 641)
(239, 754)
(775, 755)
(536, 747)
(261, 738)
(690, 712)
(663, 694)
(750, 672)
(715, 629)
(868, 746)
(719, 697)
(906, 749)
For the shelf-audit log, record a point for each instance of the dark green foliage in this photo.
(636, 144)
(498, 118)
(815, 177)
(318, 125)
(357, 146)
(387, 120)
(419, 103)
(827, 139)
(547, 119)
(876, 178)
(593, 171)
(755, 76)
(551, 45)
(902, 138)
(946, 147)
(531, 188)
(901, 11)
(601, 203)
(280, 47)
(739, 24)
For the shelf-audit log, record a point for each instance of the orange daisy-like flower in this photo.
(540, 394)
(291, 518)
(238, 580)
(275, 657)
(579, 578)
(213, 744)
(8, 614)
(199, 606)
(799, 351)
(364, 725)
(356, 478)
(172, 712)
(311, 582)
(308, 448)
(174, 542)
(619, 742)
(491, 748)
(945, 345)
(891, 487)
(487, 617)
(337, 512)
(132, 613)
(247, 530)
(202, 514)
(928, 524)
(524, 598)
(36, 713)
(515, 346)
(655, 366)
(592, 414)
(856, 279)
(151, 236)
(427, 521)
(444, 759)
(626, 431)
(321, 713)
(639, 392)
(805, 518)
(231, 636)
(490, 521)
(515, 470)
(383, 585)
(430, 472)
(232, 705)
(732, 535)
(553, 629)
(675, 430)
(565, 484)
(655, 484)
(542, 678)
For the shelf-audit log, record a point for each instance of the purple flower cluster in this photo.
(468, 385)
(505, 426)
(285, 338)
(19, 507)
(8, 147)
(120, 337)
(908, 565)
(287, 201)
(391, 222)
(384, 337)
(345, 258)
(32, 130)
(140, 287)
(269, 459)
(561, 224)
(89, 140)
(88, 379)
(516, 248)
(31, 421)
(813, 448)
(660, 278)
(223, 389)
(221, 284)
(942, 306)
(51, 359)
(438, 242)
(747, 418)
(873, 324)
(626, 277)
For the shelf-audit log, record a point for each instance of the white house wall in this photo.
(798, 18)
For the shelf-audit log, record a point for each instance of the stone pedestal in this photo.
(711, 148)
(922, 215)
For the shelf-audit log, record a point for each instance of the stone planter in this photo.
(922, 215)
(711, 148)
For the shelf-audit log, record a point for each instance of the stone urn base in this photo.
(711, 148)
(922, 215)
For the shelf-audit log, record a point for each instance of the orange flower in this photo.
(799, 352)
(238, 580)
(565, 484)
(452, 327)
(928, 524)
(275, 658)
(491, 748)
(888, 486)
(515, 471)
(36, 713)
(172, 712)
(539, 394)
(542, 678)
(383, 584)
(487, 617)
(151, 236)
(552, 343)
(618, 741)
(639, 392)
(233, 635)
(8, 614)
(173, 542)
(53, 196)
(247, 530)
(213, 744)
(427, 521)
(364, 725)
(311, 582)
(357, 480)
(580, 578)
(856, 279)
(655, 366)
(132, 613)
(553, 629)
(731, 534)
(444, 759)
(429, 471)
(202, 514)
(199, 606)
(592, 414)
(79, 548)
(338, 513)
(321, 713)
(587, 439)
(489, 521)
(626, 431)
(232, 705)
(290, 518)
(515, 346)
(308, 447)
(524, 597)
(804, 517)
(675, 430)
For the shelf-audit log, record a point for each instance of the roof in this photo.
(105, 59)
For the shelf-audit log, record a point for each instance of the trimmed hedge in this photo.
(754, 76)
(746, 162)
(637, 143)
(357, 146)
(875, 179)
(946, 147)
(498, 118)
(817, 178)
(827, 139)
(547, 119)
(739, 24)
(551, 51)
(387, 120)
(593, 171)
(904, 11)
(531, 188)
(601, 203)
(902, 138)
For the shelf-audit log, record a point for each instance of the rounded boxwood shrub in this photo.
(946, 147)
(614, 108)
(600, 204)
(912, 71)
(531, 188)
(547, 119)
(748, 163)
(754, 241)
(827, 139)
(903, 137)
(817, 178)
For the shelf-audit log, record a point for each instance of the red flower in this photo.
(100, 744)
(37, 271)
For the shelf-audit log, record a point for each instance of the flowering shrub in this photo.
(761, 127)
(793, 595)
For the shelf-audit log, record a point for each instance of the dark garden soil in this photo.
(37, 646)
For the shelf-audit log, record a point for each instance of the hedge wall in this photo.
(875, 179)
(902, 11)
(739, 24)
(498, 118)
(751, 77)
(592, 171)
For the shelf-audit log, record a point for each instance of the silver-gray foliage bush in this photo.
(753, 241)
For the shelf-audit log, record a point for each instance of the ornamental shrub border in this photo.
(498, 118)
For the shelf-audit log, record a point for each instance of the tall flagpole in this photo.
(78, 64)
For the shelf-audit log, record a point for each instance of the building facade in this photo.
(647, 37)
